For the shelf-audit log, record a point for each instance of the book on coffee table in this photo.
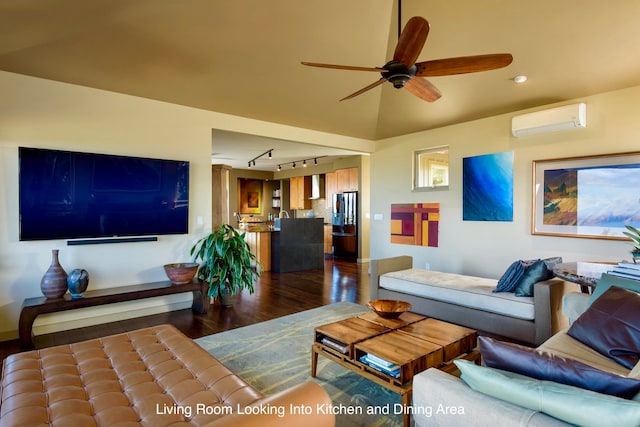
(392, 370)
(381, 362)
(342, 348)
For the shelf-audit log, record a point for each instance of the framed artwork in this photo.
(431, 169)
(591, 197)
(487, 187)
(250, 197)
(415, 223)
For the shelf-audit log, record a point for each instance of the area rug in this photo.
(276, 354)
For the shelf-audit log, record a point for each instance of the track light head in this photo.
(304, 163)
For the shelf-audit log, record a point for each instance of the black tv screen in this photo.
(68, 195)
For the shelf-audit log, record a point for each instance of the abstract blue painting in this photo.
(487, 187)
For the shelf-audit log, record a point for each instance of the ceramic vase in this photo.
(78, 281)
(54, 281)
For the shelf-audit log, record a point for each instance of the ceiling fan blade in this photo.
(411, 41)
(364, 89)
(463, 64)
(423, 89)
(344, 67)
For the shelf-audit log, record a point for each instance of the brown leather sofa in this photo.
(150, 377)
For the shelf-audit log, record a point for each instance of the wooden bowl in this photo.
(389, 308)
(182, 272)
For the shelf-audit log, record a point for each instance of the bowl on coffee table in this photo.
(389, 308)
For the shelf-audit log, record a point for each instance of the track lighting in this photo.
(304, 162)
(252, 162)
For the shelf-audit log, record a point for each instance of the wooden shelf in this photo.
(33, 307)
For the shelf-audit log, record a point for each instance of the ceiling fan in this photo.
(403, 71)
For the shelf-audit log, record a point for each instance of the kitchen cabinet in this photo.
(328, 239)
(330, 188)
(347, 180)
(339, 181)
(300, 192)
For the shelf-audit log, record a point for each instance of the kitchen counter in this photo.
(299, 245)
(259, 240)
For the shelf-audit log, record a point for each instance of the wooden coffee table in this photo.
(410, 344)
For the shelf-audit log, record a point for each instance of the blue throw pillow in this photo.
(544, 365)
(535, 273)
(511, 277)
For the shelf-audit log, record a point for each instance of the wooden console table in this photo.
(33, 307)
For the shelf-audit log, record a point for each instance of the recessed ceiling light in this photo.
(520, 79)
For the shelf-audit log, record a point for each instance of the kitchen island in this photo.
(298, 245)
(259, 240)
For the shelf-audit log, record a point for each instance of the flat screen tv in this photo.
(69, 195)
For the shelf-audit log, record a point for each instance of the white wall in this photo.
(42, 113)
(487, 248)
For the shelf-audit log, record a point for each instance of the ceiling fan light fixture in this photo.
(398, 74)
(520, 78)
(399, 80)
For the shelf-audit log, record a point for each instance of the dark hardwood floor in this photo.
(276, 295)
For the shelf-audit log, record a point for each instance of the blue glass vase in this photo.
(77, 281)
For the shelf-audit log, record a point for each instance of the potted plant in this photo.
(225, 263)
(634, 234)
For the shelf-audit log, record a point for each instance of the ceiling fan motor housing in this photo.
(398, 74)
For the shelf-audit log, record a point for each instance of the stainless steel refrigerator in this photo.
(345, 225)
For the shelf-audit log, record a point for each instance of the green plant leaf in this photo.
(226, 261)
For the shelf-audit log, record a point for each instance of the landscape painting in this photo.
(415, 223)
(588, 196)
(487, 187)
(560, 197)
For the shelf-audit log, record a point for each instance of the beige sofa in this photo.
(441, 399)
(470, 301)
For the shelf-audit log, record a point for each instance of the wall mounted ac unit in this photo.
(551, 120)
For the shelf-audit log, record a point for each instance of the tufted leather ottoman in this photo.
(151, 377)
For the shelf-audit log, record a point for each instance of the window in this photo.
(431, 169)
